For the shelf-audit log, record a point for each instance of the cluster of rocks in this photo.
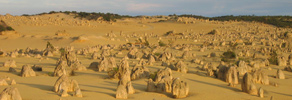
(125, 86)
(4, 81)
(106, 64)
(64, 85)
(164, 82)
(68, 63)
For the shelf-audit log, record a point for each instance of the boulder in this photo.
(37, 68)
(93, 65)
(112, 62)
(247, 84)
(232, 76)
(139, 72)
(261, 92)
(10, 93)
(281, 61)
(280, 74)
(122, 69)
(76, 65)
(151, 87)
(125, 86)
(288, 68)
(163, 73)
(9, 63)
(151, 60)
(27, 71)
(132, 53)
(290, 59)
(187, 55)
(3, 82)
(11, 69)
(221, 73)
(242, 67)
(210, 72)
(121, 92)
(181, 67)
(62, 69)
(13, 82)
(104, 65)
(95, 55)
(259, 76)
(165, 84)
(180, 89)
(63, 85)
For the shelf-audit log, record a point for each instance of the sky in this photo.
(209, 8)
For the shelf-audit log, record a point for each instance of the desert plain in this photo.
(200, 44)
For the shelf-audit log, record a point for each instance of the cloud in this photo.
(142, 7)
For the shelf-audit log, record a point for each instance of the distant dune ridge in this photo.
(80, 55)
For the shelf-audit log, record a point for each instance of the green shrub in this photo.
(212, 32)
(157, 54)
(2, 28)
(273, 58)
(153, 75)
(116, 69)
(50, 73)
(228, 56)
(62, 50)
(169, 33)
(161, 43)
(9, 28)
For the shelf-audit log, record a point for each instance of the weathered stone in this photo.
(62, 69)
(259, 76)
(281, 61)
(162, 73)
(95, 55)
(181, 67)
(280, 74)
(9, 63)
(37, 68)
(10, 93)
(63, 85)
(242, 67)
(151, 87)
(165, 84)
(11, 69)
(3, 82)
(139, 72)
(247, 84)
(121, 92)
(13, 82)
(261, 92)
(180, 89)
(231, 75)
(27, 71)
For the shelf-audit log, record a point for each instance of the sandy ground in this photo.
(95, 85)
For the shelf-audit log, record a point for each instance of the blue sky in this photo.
(151, 7)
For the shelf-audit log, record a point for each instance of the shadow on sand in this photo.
(40, 86)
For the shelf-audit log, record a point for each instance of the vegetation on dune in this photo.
(4, 27)
(162, 44)
(279, 21)
(89, 16)
(273, 58)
